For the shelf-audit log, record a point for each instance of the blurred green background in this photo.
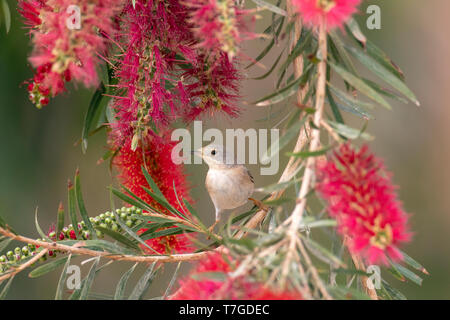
(37, 152)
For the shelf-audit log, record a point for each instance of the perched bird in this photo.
(229, 184)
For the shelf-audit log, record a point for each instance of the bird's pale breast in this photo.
(229, 188)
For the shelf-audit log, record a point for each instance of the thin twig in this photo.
(76, 249)
(297, 214)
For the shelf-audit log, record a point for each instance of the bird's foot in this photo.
(259, 204)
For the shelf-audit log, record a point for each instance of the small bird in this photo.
(229, 184)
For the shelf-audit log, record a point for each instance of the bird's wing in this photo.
(250, 176)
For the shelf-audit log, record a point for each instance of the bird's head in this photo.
(215, 156)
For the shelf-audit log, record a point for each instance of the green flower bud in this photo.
(99, 234)
(2, 259)
(103, 225)
(129, 223)
(115, 227)
(25, 251)
(123, 216)
(108, 221)
(10, 255)
(17, 250)
(102, 216)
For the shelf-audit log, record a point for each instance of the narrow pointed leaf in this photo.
(383, 73)
(118, 237)
(48, 267)
(62, 280)
(360, 85)
(90, 114)
(81, 206)
(6, 15)
(5, 289)
(72, 208)
(144, 282)
(120, 288)
(271, 7)
(89, 280)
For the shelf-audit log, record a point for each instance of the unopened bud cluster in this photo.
(105, 220)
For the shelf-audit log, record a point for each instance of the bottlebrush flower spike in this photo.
(62, 51)
(219, 25)
(200, 286)
(335, 12)
(163, 74)
(157, 154)
(363, 200)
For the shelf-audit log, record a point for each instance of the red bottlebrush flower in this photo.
(219, 25)
(201, 286)
(335, 12)
(215, 88)
(163, 75)
(361, 197)
(155, 153)
(63, 49)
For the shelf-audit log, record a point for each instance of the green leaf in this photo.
(265, 75)
(154, 187)
(86, 287)
(120, 288)
(118, 237)
(321, 253)
(271, 7)
(351, 105)
(72, 208)
(302, 43)
(62, 280)
(394, 293)
(38, 228)
(412, 263)
(383, 73)
(348, 132)
(6, 15)
(60, 220)
(360, 85)
(163, 233)
(124, 226)
(46, 268)
(90, 114)
(382, 58)
(4, 242)
(81, 206)
(135, 202)
(385, 92)
(5, 289)
(281, 142)
(408, 274)
(193, 212)
(144, 282)
(353, 27)
(267, 49)
(279, 186)
(334, 107)
(172, 281)
(307, 154)
(107, 246)
(283, 93)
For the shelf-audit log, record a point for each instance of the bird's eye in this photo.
(213, 152)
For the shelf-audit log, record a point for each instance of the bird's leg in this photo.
(259, 204)
(218, 215)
